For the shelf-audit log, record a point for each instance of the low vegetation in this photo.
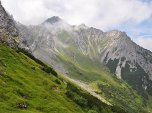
(89, 103)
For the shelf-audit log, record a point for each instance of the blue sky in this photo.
(140, 32)
(132, 16)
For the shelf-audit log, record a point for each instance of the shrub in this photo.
(77, 98)
(58, 81)
(48, 69)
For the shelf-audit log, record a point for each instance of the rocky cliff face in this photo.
(128, 61)
(113, 49)
(8, 30)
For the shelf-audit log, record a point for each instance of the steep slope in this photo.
(27, 85)
(84, 53)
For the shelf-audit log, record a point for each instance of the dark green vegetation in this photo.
(90, 103)
(123, 96)
(112, 65)
(136, 77)
(29, 87)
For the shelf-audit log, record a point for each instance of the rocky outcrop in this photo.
(8, 31)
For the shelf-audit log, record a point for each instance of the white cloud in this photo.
(98, 13)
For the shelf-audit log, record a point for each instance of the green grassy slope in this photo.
(22, 81)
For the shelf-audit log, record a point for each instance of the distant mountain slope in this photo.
(114, 49)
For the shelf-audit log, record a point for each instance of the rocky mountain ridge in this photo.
(113, 49)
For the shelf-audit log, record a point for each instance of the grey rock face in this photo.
(8, 31)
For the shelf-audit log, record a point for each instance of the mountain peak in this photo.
(83, 26)
(53, 20)
(116, 34)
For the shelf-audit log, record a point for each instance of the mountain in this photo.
(27, 85)
(113, 49)
(102, 60)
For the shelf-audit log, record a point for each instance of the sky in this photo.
(132, 16)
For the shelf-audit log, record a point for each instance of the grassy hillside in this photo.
(28, 87)
(23, 82)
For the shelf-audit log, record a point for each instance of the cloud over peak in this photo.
(97, 13)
